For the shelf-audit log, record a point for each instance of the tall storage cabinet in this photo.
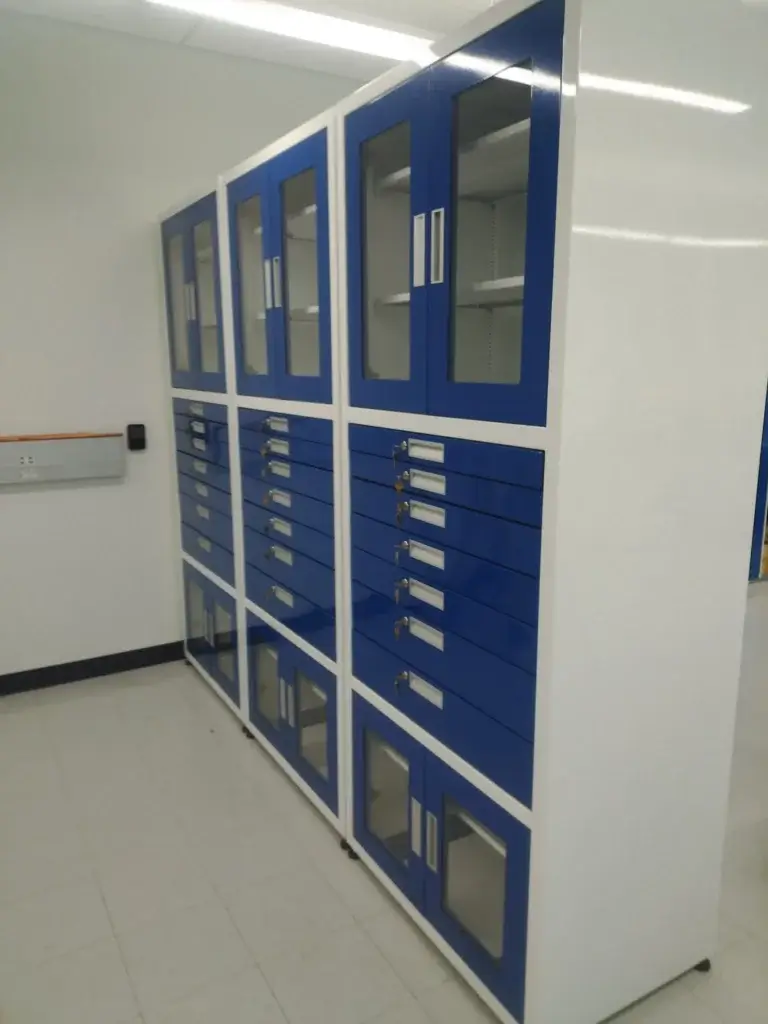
(443, 496)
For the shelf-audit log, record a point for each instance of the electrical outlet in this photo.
(26, 460)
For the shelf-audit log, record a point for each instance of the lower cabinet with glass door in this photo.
(459, 858)
(211, 630)
(293, 706)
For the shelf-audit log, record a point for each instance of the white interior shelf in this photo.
(502, 291)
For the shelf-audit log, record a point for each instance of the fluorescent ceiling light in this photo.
(277, 19)
(294, 23)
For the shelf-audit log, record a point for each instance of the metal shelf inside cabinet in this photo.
(501, 291)
(397, 299)
(493, 166)
(305, 314)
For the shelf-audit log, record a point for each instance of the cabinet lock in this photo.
(400, 625)
(404, 545)
(400, 585)
(401, 677)
(403, 508)
(402, 480)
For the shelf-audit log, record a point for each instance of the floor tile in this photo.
(737, 986)
(454, 1003)
(244, 999)
(174, 956)
(87, 986)
(50, 923)
(415, 960)
(406, 1012)
(672, 1005)
(344, 981)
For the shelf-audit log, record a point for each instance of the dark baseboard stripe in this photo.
(74, 671)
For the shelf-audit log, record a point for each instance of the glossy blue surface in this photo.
(212, 448)
(213, 411)
(296, 666)
(485, 582)
(212, 497)
(292, 449)
(306, 428)
(208, 654)
(207, 472)
(288, 476)
(217, 526)
(212, 555)
(315, 625)
(494, 750)
(299, 573)
(500, 690)
(295, 536)
(288, 504)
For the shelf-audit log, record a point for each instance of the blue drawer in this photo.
(200, 410)
(299, 573)
(283, 502)
(521, 466)
(208, 430)
(213, 556)
(315, 625)
(217, 526)
(199, 469)
(509, 592)
(502, 755)
(317, 483)
(493, 686)
(295, 536)
(272, 424)
(509, 544)
(213, 449)
(510, 639)
(521, 504)
(212, 497)
(291, 449)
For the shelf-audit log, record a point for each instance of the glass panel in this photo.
(492, 139)
(387, 796)
(267, 684)
(253, 309)
(225, 642)
(179, 324)
(207, 314)
(313, 724)
(300, 275)
(196, 610)
(474, 877)
(387, 273)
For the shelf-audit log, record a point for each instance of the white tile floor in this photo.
(155, 867)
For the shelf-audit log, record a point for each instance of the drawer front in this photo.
(213, 556)
(282, 501)
(510, 639)
(207, 472)
(211, 411)
(272, 424)
(291, 449)
(221, 501)
(509, 544)
(212, 449)
(303, 575)
(296, 536)
(509, 592)
(315, 625)
(507, 501)
(217, 526)
(502, 755)
(521, 466)
(503, 691)
(292, 476)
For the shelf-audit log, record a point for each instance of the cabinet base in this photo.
(348, 849)
(704, 967)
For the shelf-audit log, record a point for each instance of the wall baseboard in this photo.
(90, 668)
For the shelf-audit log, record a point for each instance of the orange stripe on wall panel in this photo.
(51, 437)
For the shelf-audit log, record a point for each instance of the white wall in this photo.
(99, 134)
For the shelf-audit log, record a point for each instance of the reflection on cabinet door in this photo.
(267, 689)
(494, 193)
(387, 154)
(311, 711)
(389, 797)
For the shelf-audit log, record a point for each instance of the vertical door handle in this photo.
(415, 827)
(278, 282)
(290, 700)
(268, 284)
(192, 301)
(419, 250)
(431, 842)
(283, 711)
(437, 262)
(187, 310)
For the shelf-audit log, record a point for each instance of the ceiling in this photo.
(430, 18)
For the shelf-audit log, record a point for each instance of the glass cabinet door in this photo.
(311, 701)
(496, 107)
(387, 229)
(198, 640)
(178, 304)
(226, 648)
(267, 685)
(205, 306)
(476, 882)
(388, 796)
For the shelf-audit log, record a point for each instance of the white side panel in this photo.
(664, 361)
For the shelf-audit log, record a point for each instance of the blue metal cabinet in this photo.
(760, 533)
(497, 688)
(311, 710)
(201, 516)
(289, 476)
(212, 630)
(314, 624)
(212, 497)
(279, 230)
(295, 536)
(193, 297)
(274, 425)
(211, 447)
(494, 750)
(451, 232)
(212, 555)
(296, 571)
(207, 472)
(211, 412)
(267, 700)
(459, 858)
(298, 508)
(308, 453)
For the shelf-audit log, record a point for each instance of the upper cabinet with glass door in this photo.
(281, 275)
(480, 231)
(193, 298)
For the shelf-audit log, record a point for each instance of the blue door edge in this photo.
(760, 528)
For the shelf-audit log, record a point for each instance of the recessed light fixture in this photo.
(294, 23)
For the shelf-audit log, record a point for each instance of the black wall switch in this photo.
(137, 437)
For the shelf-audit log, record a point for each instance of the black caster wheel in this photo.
(704, 967)
(348, 849)
(247, 733)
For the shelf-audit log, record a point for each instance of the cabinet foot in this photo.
(247, 733)
(348, 850)
(704, 967)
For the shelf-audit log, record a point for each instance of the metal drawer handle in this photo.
(279, 424)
